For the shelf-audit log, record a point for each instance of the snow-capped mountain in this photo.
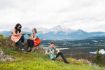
(25, 29)
(60, 33)
(42, 30)
(45, 30)
(60, 28)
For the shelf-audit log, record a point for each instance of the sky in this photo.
(88, 15)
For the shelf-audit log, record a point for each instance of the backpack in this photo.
(37, 42)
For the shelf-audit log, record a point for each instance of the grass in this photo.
(38, 61)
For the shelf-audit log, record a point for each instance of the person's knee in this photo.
(22, 38)
(28, 40)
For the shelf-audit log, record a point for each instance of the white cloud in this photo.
(88, 15)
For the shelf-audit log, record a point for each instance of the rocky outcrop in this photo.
(4, 57)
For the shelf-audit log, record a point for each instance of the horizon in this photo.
(26, 29)
(85, 15)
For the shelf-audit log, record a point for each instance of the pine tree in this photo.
(98, 58)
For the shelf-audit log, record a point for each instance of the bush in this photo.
(98, 58)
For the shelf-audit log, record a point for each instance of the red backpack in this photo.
(37, 42)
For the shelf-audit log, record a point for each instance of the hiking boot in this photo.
(66, 62)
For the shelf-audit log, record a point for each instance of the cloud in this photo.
(5, 4)
(88, 15)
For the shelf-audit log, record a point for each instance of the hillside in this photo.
(37, 60)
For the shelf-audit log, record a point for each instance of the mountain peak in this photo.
(61, 28)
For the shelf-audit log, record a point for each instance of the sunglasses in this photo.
(20, 27)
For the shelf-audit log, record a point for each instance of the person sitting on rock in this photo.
(33, 41)
(17, 36)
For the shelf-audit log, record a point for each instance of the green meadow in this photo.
(38, 61)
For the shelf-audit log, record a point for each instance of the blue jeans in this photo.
(19, 43)
(30, 44)
(61, 54)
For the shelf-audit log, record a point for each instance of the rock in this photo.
(4, 57)
(84, 61)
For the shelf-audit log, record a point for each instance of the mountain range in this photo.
(60, 33)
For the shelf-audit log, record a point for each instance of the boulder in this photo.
(4, 57)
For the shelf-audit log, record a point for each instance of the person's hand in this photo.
(58, 50)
